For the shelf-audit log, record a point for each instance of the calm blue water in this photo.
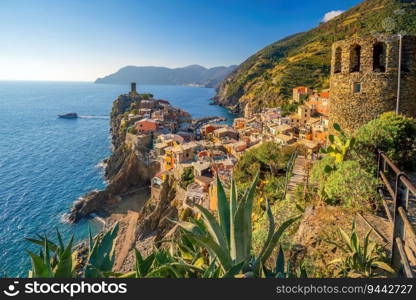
(46, 163)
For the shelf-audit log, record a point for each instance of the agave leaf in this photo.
(39, 269)
(223, 209)
(271, 226)
(210, 271)
(101, 257)
(346, 239)
(238, 251)
(366, 244)
(41, 243)
(64, 267)
(384, 266)
(215, 251)
(248, 210)
(280, 262)
(233, 209)
(61, 243)
(213, 227)
(132, 274)
(276, 237)
(235, 270)
(47, 258)
(190, 227)
(90, 239)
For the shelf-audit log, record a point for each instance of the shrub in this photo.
(319, 172)
(132, 130)
(394, 134)
(187, 177)
(351, 185)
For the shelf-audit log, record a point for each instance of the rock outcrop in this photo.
(126, 169)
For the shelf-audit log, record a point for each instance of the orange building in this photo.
(320, 103)
(146, 126)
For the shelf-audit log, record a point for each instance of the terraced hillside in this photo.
(266, 79)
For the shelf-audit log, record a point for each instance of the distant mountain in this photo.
(193, 74)
(266, 79)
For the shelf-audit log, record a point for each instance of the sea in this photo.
(46, 163)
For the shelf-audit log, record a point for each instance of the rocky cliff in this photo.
(267, 78)
(126, 169)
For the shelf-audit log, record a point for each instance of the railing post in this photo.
(398, 225)
(379, 160)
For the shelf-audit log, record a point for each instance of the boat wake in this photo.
(94, 117)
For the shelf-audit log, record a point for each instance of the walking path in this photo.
(299, 174)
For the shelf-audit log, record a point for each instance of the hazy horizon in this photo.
(74, 40)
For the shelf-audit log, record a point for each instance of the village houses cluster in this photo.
(202, 150)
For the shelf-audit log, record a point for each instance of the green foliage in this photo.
(146, 96)
(289, 108)
(57, 260)
(101, 254)
(228, 240)
(393, 134)
(161, 264)
(132, 130)
(269, 158)
(351, 186)
(54, 260)
(362, 260)
(340, 145)
(187, 177)
(283, 270)
(320, 174)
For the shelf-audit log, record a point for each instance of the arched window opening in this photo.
(355, 59)
(406, 60)
(379, 57)
(338, 57)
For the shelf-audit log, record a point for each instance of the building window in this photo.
(355, 59)
(357, 87)
(379, 57)
(338, 57)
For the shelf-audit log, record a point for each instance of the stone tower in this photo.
(133, 87)
(365, 79)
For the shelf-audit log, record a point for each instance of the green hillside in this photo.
(266, 79)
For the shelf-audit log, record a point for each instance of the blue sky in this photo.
(80, 40)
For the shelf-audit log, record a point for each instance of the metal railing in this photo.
(396, 204)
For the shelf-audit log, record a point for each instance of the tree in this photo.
(391, 133)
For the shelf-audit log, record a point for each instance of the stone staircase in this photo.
(299, 175)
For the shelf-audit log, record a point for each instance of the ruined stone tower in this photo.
(365, 79)
(133, 87)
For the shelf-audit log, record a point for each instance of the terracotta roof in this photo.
(324, 95)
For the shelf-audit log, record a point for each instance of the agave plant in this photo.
(54, 260)
(361, 260)
(283, 270)
(101, 254)
(229, 240)
(57, 260)
(161, 264)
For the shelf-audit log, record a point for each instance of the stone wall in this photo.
(378, 94)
